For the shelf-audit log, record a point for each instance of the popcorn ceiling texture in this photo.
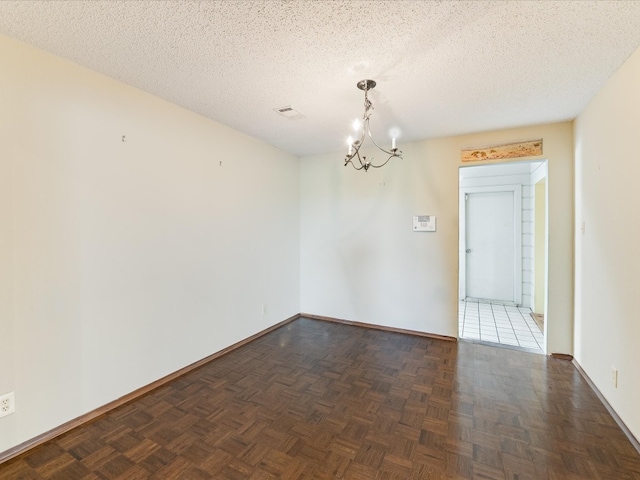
(442, 68)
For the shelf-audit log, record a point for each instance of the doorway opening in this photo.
(502, 273)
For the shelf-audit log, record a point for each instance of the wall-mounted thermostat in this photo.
(424, 223)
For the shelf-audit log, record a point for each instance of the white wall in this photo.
(607, 260)
(361, 261)
(121, 262)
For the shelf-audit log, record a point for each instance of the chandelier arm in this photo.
(356, 154)
(353, 165)
(392, 153)
(382, 165)
(365, 129)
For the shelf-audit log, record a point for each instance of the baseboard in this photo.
(140, 392)
(373, 326)
(87, 417)
(562, 356)
(634, 441)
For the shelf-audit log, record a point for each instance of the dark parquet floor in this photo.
(318, 400)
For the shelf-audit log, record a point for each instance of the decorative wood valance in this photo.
(530, 148)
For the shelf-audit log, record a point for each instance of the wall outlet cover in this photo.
(7, 404)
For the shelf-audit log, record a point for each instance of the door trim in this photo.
(516, 189)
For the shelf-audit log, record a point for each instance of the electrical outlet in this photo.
(614, 376)
(7, 404)
(264, 309)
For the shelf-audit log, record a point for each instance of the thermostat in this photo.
(424, 223)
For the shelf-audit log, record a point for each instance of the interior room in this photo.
(183, 239)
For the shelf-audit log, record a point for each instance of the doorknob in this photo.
(468, 250)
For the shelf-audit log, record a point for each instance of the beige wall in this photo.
(121, 262)
(607, 260)
(360, 259)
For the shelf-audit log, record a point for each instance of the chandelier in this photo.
(353, 156)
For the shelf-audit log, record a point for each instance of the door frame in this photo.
(516, 189)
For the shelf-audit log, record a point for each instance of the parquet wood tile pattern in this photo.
(320, 400)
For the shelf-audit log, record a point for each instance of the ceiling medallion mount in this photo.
(366, 85)
(353, 157)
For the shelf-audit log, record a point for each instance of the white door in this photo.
(492, 254)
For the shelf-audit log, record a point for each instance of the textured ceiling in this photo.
(442, 68)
